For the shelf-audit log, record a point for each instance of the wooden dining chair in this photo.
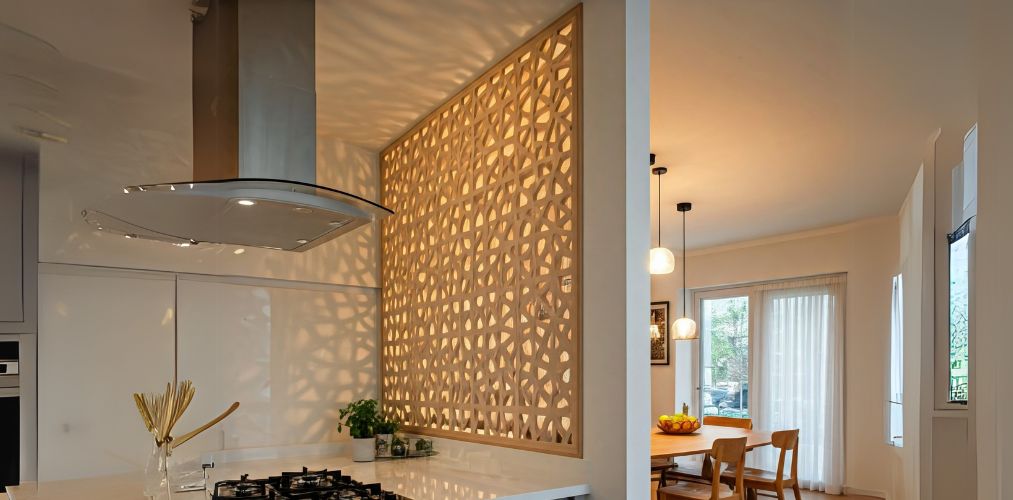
(740, 423)
(658, 468)
(731, 452)
(759, 479)
(696, 470)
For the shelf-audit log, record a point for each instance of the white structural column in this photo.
(992, 341)
(616, 245)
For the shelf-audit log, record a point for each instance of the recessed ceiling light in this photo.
(184, 245)
(246, 203)
(126, 191)
(171, 187)
(337, 223)
(302, 242)
(128, 236)
(239, 251)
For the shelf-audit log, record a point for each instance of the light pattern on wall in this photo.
(481, 261)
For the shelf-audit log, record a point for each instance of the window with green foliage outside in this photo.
(959, 277)
(725, 349)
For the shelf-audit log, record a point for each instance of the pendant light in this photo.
(684, 328)
(662, 259)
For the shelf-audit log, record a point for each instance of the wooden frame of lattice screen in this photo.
(481, 262)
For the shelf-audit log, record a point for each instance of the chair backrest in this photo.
(741, 423)
(731, 451)
(786, 441)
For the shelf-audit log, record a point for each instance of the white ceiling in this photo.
(778, 116)
(381, 65)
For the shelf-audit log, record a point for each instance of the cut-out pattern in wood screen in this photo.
(481, 261)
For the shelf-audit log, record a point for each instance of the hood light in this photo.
(246, 203)
(239, 251)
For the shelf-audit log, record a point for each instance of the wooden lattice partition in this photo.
(481, 261)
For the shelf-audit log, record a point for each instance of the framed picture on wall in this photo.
(660, 339)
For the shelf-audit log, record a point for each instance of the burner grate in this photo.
(304, 485)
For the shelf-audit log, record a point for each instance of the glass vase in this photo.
(156, 473)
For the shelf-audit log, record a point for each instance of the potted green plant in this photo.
(361, 418)
(385, 430)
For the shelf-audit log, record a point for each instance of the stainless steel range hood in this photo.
(254, 110)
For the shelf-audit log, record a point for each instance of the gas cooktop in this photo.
(305, 485)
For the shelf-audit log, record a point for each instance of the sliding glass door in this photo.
(724, 354)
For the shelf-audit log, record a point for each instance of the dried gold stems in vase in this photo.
(161, 412)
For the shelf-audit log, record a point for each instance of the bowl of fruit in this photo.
(680, 423)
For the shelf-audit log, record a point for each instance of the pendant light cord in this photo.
(685, 313)
(659, 210)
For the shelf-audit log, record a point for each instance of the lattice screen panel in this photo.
(481, 261)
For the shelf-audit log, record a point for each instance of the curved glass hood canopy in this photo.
(265, 213)
(254, 112)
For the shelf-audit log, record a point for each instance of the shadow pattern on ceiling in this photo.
(383, 64)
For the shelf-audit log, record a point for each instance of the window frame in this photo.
(942, 351)
(749, 291)
(897, 289)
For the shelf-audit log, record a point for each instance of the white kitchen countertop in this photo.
(455, 476)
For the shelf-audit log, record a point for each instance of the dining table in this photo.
(700, 442)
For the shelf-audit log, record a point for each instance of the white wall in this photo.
(615, 243)
(992, 344)
(953, 459)
(912, 259)
(867, 250)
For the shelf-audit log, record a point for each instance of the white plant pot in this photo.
(364, 449)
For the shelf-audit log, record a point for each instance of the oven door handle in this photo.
(9, 392)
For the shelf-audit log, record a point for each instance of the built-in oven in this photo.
(10, 411)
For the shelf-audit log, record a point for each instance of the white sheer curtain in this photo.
(798, 368)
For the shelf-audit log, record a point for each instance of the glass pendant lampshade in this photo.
(684, 329)
(662, 261)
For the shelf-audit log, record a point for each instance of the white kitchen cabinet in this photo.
(19, 241)
(291, 353)
(101, 338)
